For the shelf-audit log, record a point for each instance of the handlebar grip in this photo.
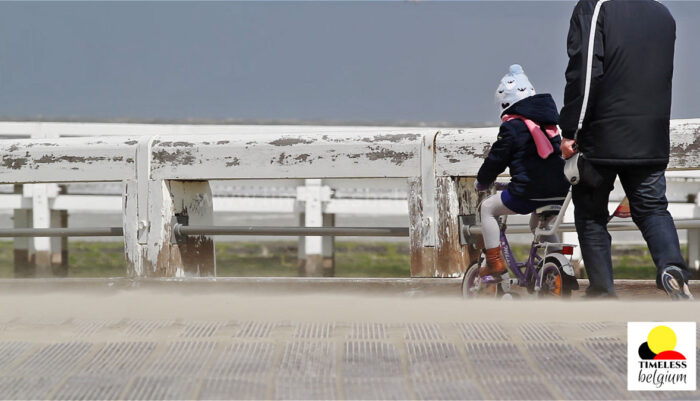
(500, 186)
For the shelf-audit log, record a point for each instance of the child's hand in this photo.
(480, 187)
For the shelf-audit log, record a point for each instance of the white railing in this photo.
(166, 177)
(23, 129)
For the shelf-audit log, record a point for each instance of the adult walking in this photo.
(617, 105)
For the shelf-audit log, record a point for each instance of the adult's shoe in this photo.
(674, 284)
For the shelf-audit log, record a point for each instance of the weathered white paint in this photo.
(41, 218)
(156, 236)
(460, 152)
(153, 250)
(151, 166)
(333, 155)
(67, 160)
(428, 196)
(295, 155)
(130, 223)
(452, 257)
(143, 244)
(685, 145)
(313, 194)
(192, 256)
(144, 184)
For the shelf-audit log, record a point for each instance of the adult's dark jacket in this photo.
(627, 115)
(531, 176)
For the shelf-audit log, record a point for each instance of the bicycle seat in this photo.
(548, 210)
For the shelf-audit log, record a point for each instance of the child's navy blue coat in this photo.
(531, 176)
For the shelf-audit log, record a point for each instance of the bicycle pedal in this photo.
(491, 279)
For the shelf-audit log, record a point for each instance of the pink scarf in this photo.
(544, 147)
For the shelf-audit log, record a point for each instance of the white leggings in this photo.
(491, 208)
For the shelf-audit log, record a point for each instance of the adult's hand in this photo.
(568, 148)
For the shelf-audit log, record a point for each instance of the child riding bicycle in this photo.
(528, 145)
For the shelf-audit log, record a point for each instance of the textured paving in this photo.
(188, 359)
(315, 339)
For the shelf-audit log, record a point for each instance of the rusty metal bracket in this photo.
(465, 236)
(179, 220)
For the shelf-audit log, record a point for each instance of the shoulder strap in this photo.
(589, 65)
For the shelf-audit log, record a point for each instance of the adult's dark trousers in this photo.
(645, 188)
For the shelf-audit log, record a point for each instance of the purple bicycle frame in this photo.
(524, 278)
(530, 273)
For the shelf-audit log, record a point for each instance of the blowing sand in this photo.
(174, 303)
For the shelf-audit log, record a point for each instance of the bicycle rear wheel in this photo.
(551, 281)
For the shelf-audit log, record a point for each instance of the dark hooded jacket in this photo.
(627, 115)
(531, 176)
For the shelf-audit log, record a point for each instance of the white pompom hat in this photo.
(514, 87)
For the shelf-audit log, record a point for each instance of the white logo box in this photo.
(659, 375)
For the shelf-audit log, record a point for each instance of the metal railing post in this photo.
(41, 218)
(313, 194)
(693, 239)
(23, 260)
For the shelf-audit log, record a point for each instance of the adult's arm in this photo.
(576, 71)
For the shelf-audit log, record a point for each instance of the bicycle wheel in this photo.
(568, 282)
(471, 283)
(551, 281)
(473, 287)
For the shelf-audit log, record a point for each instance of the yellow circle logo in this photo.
(661, 338)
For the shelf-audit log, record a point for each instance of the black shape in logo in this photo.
(645, 352)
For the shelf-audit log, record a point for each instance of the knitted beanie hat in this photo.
(514, 87)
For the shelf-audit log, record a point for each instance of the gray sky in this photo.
(355, 62)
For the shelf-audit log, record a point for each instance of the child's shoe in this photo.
(494, 263)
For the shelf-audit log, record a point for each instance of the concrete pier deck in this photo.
(306, 339)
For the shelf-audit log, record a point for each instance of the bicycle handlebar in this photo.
(500, 186)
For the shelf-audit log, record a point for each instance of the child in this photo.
(529, 145)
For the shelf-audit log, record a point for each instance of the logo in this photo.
(661, 356)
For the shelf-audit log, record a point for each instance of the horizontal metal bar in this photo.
(293, 231)
(213, 230)
(681, 224)
(63, 232)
